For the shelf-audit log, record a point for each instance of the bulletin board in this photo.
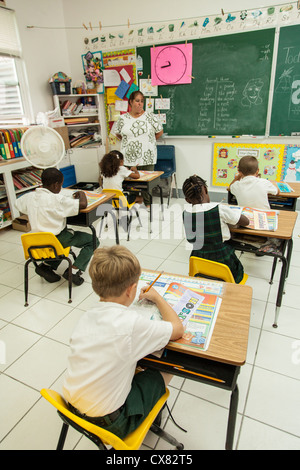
(290, 171)
(123, 63)
(227, 156)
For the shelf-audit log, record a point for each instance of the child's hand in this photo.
(151, 295)
(77, 194)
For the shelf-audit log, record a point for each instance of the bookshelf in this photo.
(16, 177)
(83, 117)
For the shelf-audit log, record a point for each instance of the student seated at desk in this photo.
(248, 188)
(114, 172)
(252, 191)
(101, 382)
(47, 210)
(206, 226)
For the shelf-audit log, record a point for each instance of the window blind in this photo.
(9, 35)
(11, 109)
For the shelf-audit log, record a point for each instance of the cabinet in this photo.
(84, 118)
(9, 192)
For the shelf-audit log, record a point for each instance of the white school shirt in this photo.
(105, 347)
(227, 215)
(115, 182)
(253, 192)
(47, 212)
(138, 138)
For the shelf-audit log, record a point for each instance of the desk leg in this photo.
(161, 202)
(94, 236)
(280, 289)
(232, 418)
(151, 215)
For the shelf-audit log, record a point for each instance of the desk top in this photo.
(293, 194)
(229, 340)
(107, 197)
(286, 224)
(146, 176)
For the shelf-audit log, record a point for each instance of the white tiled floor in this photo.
(35, 340)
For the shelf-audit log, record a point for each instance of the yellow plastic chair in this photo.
(212, 270)
(120, 203)
(44, 246)
(100, 436)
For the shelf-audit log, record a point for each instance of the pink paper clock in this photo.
(172, 64)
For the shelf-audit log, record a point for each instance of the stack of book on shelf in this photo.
(27, 178)
(82, 105)
(4, 206)
(76, 120)
(82, 139)
(10, 143)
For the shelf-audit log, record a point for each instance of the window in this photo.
(11, 107)
(14, 100)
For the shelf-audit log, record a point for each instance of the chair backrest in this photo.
(165, 158)
(120, 200)
(210, 268)
(45, 244)
(132, 441)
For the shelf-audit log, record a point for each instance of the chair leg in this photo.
(166, 436)
(70, 280)
(62, 437)
(176, 185)
(26, 282)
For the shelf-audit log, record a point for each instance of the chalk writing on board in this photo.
(215, 102)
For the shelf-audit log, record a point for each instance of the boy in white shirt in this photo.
(248, 188)
(101, 383)
(47, 210)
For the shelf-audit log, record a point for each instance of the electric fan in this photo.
(42, 146)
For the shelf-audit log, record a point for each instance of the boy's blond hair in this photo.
(112, 270)
(248, 165)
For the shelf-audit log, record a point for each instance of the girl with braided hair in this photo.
(206, 226)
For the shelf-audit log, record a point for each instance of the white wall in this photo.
(60, 47)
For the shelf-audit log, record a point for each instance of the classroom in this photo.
(55, 36)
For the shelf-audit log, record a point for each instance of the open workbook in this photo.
(196, 302)
(92, 197)
(259, 219)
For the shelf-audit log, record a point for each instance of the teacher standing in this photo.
(138, 131)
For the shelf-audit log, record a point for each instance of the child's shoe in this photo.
(76, 278)
(47, 273)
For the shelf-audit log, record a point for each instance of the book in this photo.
(259, 219)
(284, 187)
(196, 302)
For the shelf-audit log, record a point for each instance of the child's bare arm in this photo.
(167, 313)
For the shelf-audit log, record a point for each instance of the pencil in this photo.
(152, 283)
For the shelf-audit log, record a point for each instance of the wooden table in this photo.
(147, 182)
(285, 201)
(284, 232)
(87, 216)
(282, 201)
(220, 364)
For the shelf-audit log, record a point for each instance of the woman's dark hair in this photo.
(133, 95)
(110, 163)
(51, 176)
(192, 188)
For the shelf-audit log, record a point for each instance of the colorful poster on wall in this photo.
(119, 78)
(227, 156)
(291, 164)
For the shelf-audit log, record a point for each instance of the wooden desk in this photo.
(87, 216)
(146, 183)
(285, 201)
(220, 364)
(284, 232)
(282, 201)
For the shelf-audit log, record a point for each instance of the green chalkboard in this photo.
(230, 92)
(285, 117)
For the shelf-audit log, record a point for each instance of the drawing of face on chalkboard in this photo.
(251, 93)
